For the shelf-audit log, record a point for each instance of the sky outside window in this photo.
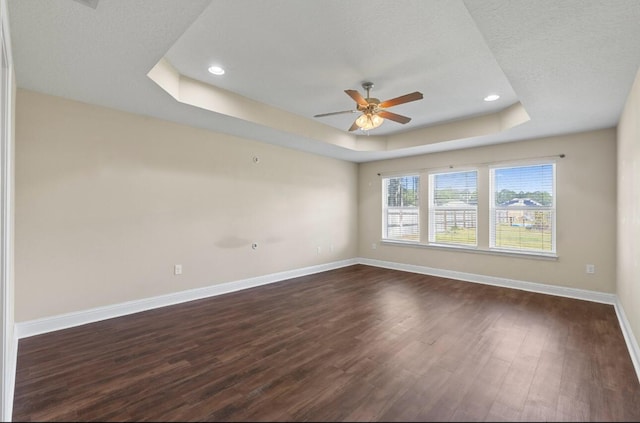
(524, 179)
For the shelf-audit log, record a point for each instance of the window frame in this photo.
(432, 209)
(385, 208)
(493, 208)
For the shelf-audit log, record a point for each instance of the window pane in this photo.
(401, 211)
(454, 226)
(453, 208)
(522, 229)
(455, 189)
(527, 186)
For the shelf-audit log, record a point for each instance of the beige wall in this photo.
(629, 209)
(107, 202)
(586, 212)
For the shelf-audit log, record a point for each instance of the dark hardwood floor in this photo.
(353, 344)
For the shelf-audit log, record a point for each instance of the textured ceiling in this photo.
(569, 64)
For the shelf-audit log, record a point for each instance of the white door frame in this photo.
(9, 344)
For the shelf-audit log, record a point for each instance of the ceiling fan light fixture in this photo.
(369, 121)
(373, 110)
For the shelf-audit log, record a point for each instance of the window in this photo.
(401, 214)
(453, 208)
(517, 208)
(522, 208)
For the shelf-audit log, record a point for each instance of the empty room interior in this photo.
(251, 210)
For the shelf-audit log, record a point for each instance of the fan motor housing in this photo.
(371, 107)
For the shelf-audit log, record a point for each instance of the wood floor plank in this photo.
(514, 389)
(545, 386)
(353, 344)
(478, 401)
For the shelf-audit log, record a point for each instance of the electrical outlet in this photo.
(177, 269)
(319, 249)
(591, 268)
(374, 246)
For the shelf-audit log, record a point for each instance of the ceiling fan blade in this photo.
(393, 116)
(353, 127)
(402, 99)
(335, 113)
(357, 97)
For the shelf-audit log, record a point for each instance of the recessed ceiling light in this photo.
(492, 97)
(216, 70)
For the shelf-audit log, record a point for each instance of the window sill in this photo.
(473, 250)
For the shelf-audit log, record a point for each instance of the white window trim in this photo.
(472, 250)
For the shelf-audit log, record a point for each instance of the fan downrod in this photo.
(367, 86)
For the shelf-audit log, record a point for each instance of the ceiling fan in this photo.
(373, 110)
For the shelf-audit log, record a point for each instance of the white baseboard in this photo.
(629, 338)
(64, 321)
(581, 294)
(50, 324)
